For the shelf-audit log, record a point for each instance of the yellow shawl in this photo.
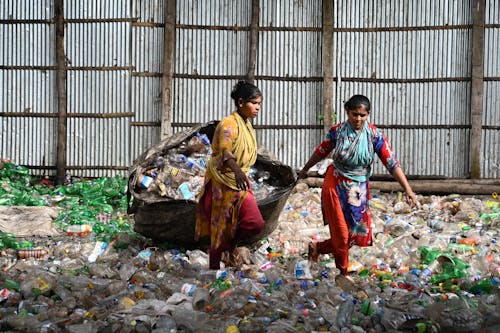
(239, 138)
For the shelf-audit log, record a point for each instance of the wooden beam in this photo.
(444, 186)
(168, 69)
(477, 87)
(327, 60)
(254, 41)
(61, 93)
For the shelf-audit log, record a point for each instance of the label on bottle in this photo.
(97, 251)
(188, 289)
(146, 181)
(185, 191)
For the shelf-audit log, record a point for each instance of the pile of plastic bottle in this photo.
(432, 268)
(180, 174)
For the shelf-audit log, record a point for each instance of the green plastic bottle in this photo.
(481, 287)
(11, 284)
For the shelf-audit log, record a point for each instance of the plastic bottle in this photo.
(9, 241)
(32, 253)
(195, 145)
(81, 230)
(99, 248)
(177, 158)
(436, 225)
(185, 191)
(201, 298)
(165, 323)
(482, 287)
(188, 289)
(428, 271)
(11, 284)
(195, 166)
(144, 181)
(344, 314)
(160, 162)
(232, 329)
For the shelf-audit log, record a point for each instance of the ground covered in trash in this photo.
(432, 268)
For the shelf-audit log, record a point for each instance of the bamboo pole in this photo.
(61, 93)
(168, 69)
(477, 87)
(327, 60)
(254, 41)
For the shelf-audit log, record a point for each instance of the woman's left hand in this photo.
(411, 198)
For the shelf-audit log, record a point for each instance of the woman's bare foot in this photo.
(312, 252)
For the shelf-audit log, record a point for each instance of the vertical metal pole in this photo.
(168, 69)
(327, 60)
(254, 40)
(61, 92)
(477, 87)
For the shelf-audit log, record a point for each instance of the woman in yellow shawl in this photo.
(227, 211)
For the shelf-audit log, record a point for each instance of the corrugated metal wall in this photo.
(97, 45)
(412, 58)
(210, 55)
(289, 57)
(28, 125)
(147, 58)
(490, 166)
(416, 70)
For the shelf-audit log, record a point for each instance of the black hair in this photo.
(246, 91)
(357, 101)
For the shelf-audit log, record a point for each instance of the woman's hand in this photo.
(241, 180)
(411, 198)
(240, 177)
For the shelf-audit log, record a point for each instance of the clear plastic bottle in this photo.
(165, 323)
(81, 230)
(195, 166)
(177, 159)
(201, 298)
(344, 313)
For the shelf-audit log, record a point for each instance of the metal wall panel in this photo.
(226, 13)
(98, 92)
(25, 10)
(291, 13)
(97, 146)
(211, 52)
(289, 54)
(27, 44)
(150, 11)
(98, 44)
(290, 50)
(296, 106)
(490, 168)
(220, 51)
(202, 100)
(99, 88)
(29, 139)
(91, 9)
(147, 59)
(147, 49)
